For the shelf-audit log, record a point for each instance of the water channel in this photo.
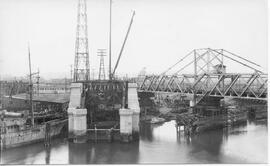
(246, 143)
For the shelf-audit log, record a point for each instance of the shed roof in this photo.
(52, 98)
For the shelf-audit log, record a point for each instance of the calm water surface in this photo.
(158, 144)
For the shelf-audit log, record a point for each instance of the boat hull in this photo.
(31, 135)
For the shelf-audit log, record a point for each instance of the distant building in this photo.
(13, 87)
(41, 102)
(8, 88)
(51, 88)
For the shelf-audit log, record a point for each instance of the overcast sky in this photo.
(163, 31)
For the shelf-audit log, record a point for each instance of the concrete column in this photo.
(135, 125)
(133, 104)
(77, 124)
(133, 101)
(75, 95)
(125, 124)
(70, 121)
(77, 121)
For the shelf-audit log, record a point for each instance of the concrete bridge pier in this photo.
(130, 117)
(135, 125)
(133, 103)
(126, 124)
(77, 124)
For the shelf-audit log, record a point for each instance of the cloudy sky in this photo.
(162, 33)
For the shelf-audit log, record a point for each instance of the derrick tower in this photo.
(101, 53)
(81, 63)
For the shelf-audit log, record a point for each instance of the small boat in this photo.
(156, 120)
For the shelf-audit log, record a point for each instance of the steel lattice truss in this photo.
(81, 62)
(204, 83)
(220, 85)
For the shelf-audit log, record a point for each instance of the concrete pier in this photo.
(77, 124)
(126, 124)
(77, 121)
(75, 95)
(135, 125)
(133, 103)
(130, 117)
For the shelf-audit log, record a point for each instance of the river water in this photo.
(158, 144)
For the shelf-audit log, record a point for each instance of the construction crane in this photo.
(122, 48)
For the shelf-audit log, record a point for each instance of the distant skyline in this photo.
(162, 33)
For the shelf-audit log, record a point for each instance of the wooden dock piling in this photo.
(47, 139)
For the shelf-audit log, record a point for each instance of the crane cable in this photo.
(176, 63)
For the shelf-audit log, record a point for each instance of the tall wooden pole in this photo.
(110, 42)
(30, 88)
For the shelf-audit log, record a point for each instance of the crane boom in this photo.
(122, 48)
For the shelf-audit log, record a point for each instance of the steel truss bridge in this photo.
(210, 78)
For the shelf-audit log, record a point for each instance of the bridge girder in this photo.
(252, 86)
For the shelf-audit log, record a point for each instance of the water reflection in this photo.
(91, 153)
(207, 146)
(48, 154)
(22, 155)
(244, 143)
(146, 132)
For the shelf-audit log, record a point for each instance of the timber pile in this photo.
(191, 122)
(187, 119)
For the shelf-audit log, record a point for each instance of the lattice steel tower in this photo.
(81, 64)
(101, 53)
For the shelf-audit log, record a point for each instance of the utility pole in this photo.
(110, 43)
(101, 53)
(71, 76)
(38, 77)
(81, 63)
(30, 88)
